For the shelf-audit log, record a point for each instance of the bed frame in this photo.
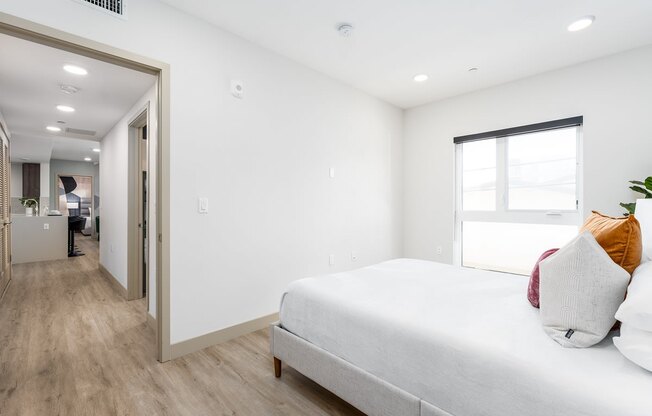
(370, 394)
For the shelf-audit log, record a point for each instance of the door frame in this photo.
(45, 35)
(134, 254)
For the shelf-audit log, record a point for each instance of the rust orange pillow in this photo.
(619, 237)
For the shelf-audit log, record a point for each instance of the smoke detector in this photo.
(345, 30)
(68, 89)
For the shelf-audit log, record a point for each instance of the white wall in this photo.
(613, 94)
(263, 162)
(16, 184)
(45, 180)
(114, 186)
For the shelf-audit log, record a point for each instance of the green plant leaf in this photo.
(641, 190)
(29, 202)
(638, 183)
(630, 207)
(648, 183)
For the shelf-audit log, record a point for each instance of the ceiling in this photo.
(30, 79)
(395, 40)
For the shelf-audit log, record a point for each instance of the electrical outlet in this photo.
(46, 226)
(439, 250)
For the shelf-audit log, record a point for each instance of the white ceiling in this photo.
(394, 40)
(30, 75)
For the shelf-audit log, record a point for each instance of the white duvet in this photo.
(465, 340)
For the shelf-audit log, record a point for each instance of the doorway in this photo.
(138, 284)
(44, 35)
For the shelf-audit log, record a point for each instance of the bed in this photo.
(411, 337)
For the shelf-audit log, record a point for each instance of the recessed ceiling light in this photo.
(65, 108)
(580, 24)
(53, 128)
(74, 69)
(420, 78)
(24, 158)
(96, 150)
(88, 159)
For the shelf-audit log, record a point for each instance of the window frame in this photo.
(502, 213)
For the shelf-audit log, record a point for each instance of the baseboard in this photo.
(212, 338)
(113, 281)
(151, 321)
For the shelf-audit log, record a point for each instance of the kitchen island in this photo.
(36, 238)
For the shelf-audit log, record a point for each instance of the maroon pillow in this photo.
(533, 287)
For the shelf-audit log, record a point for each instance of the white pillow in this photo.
(636, 310)
(580, 290)
(635, 345)
(643, 214)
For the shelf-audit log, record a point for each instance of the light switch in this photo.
(203, 205)
(331, 172)
(46, 226)
(331, 260)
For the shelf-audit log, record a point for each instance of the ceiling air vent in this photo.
(80, 132)
(113, 7)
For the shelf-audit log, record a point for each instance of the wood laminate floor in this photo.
(70, 345)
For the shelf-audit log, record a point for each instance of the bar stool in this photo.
(75, 223)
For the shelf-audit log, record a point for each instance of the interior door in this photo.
(137, 257)
(143, 168)
(5, 214)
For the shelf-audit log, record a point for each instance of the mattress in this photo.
(465, 340)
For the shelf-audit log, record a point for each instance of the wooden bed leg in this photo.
(277, 367)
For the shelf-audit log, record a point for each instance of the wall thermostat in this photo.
(237, 89)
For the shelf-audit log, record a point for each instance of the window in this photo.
(518, 194)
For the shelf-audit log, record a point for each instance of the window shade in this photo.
(530, 128)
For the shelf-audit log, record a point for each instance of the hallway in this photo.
(70, 345)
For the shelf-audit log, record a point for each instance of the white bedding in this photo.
(464, 340)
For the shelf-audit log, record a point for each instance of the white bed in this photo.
(465, 341)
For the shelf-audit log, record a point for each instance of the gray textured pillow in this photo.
(580, 291)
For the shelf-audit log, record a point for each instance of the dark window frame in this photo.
(530, 128)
